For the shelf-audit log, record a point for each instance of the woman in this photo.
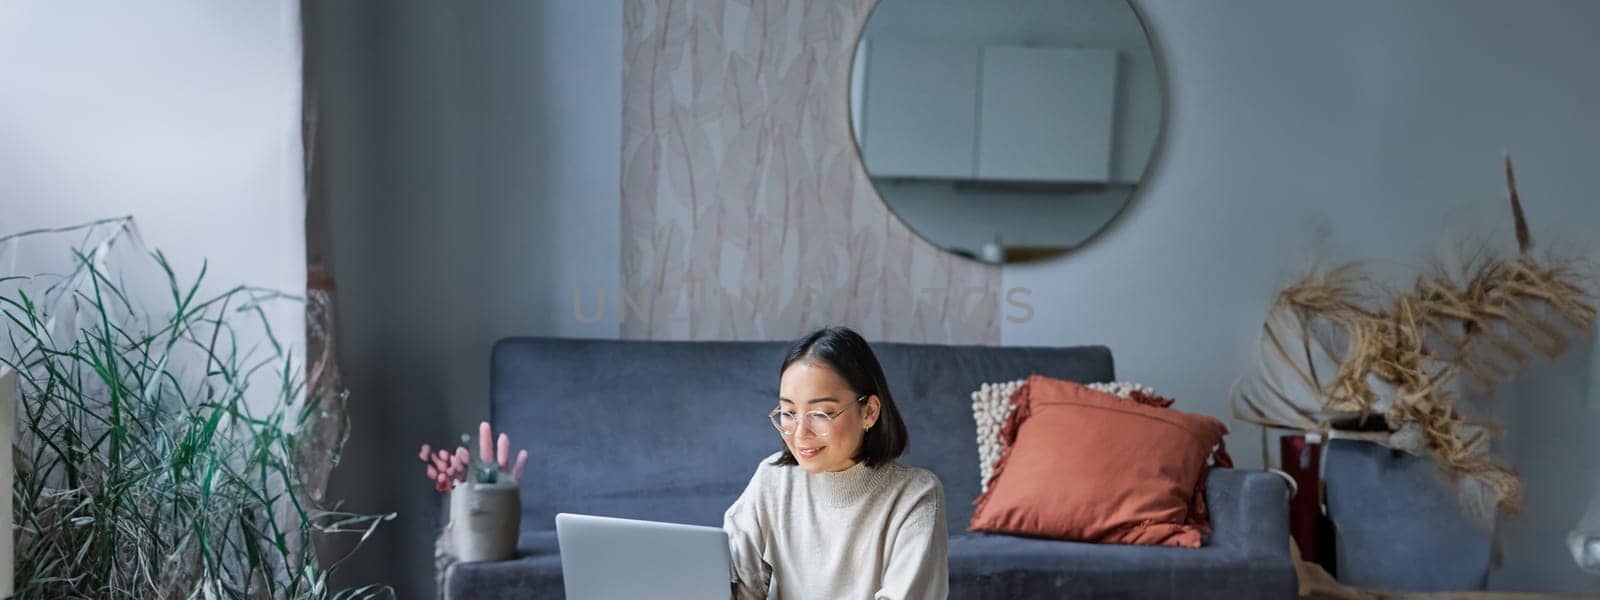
(833, 515)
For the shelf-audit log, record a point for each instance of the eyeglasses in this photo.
(817, 422)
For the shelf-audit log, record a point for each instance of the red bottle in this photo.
(1311, 529)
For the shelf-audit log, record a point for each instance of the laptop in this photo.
(605, 557)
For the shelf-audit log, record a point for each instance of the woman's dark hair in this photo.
(847, 354)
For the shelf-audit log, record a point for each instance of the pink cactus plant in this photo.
(446, 469)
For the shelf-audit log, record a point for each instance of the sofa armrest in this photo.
(1249, 512)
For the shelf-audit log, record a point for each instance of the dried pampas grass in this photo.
(1336, 350)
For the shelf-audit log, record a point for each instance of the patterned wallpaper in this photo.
(746, 214)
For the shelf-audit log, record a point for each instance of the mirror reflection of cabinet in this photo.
(944, 111)
(921, 110)
(1024, 135)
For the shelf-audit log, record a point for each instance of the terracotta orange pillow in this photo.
(1089, 466)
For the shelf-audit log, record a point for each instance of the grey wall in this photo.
(1296, 131)
(1304, 131)
(474, 186)
(1555, 436)
(106, 111)
(342, 56)
(184, 115)
(1301, 131)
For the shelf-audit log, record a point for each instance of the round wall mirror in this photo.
(1005, 130)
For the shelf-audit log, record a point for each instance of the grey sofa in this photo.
(672, 431)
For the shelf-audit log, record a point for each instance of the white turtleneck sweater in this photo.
(861, 533)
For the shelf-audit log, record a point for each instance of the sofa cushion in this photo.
(985, 566)
(991, 405)
(1086, 465)
(537, 542)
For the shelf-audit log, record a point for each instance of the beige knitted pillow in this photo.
(991, 404)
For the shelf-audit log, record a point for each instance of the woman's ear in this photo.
(870, 412)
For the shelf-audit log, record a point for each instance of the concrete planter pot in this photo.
(484, 520)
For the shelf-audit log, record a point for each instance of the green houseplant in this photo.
(156, 435)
